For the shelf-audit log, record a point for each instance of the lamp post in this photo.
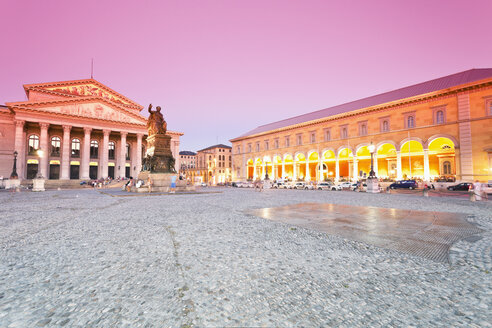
(14, 175)
(371, 150)
(372, 180)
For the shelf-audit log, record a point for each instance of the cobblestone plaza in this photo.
(82, 258)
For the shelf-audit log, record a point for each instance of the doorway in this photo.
(74, 172)
(127, 171)
(32, 171)
(93, 172)
(54, 171)
(111, 172)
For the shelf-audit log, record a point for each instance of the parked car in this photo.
(324, 186)
(280, 185)
(487, 188)
(461, 186)
(299, 185)
(203, 184)
(404, 184)
(336, 187)
(289, 185)
(344, 185)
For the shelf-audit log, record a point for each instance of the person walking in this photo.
(477, 190)
(173, 184)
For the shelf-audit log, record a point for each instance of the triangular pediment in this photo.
(91, 108)
(81, 89)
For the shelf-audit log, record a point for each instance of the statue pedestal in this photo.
(161, 182)
(372, 185)
(38, 185)
(12, 184)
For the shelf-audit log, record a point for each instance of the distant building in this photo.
(187, 168)
(214, 164)
(432, 130)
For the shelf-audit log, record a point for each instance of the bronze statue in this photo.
(156, 123)
(159, 157)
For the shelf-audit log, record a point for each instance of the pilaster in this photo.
(84, 165)
(65, 160)
(43, 145)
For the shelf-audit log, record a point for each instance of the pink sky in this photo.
(221, 68)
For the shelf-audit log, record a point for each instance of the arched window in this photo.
(127, 152)
(75, 147)
(55, 146)
(410, 122)
(94, 149)
(210, 157)
(33, 144)
(446, 167)
(385, 126)
(439, 117)
(111, 150)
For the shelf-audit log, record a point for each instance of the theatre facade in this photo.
(439, 129)
(84, 130)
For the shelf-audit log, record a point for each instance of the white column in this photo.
(283, 170)
(356, 168)
(337, 170)
(320, 170)
(65, 160)
(122, 161)
(84, 165)
(426, 165)
(399, 173)
(308, 175)
(294, 174)
(263, 171)
(105, 154)
(138, 153)
(19, 148)
(254, 171)
(43, 145)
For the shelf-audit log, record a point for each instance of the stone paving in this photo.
(428, 234)
(80, 258)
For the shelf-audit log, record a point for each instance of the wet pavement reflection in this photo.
(420, 233)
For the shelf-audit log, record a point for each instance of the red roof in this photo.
(406, 92)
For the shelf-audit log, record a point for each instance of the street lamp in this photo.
(14, 175)
(372, 180)
(371, 150)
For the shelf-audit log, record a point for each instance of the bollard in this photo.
(426, 192)
(388, 190)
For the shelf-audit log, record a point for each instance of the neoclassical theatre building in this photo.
(84, 129)
(437, 128)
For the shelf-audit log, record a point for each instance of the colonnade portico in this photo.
(69, 157)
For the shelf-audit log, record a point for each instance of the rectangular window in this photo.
(313, 137)
(363, 128)
(287, 141)
(238, 150)
(257, 146)
(266, 145)
(327, 134)
(249, 148)
(275, 143)
(344, 131)
(299, 139)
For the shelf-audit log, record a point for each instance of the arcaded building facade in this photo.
(84, 129)
(436, 129)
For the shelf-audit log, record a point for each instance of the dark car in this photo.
(407, 184)
(461, 186)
